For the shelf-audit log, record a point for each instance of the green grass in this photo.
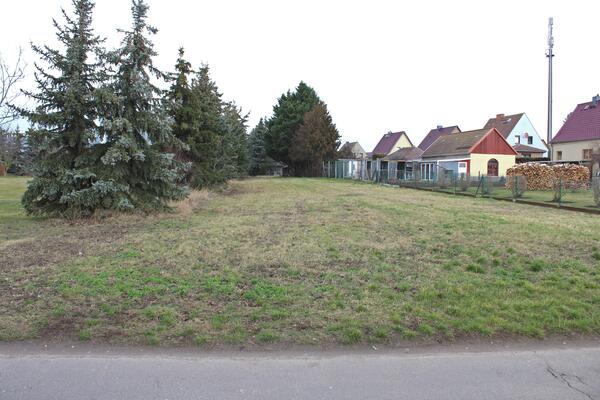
(580, 198)
(300, 261)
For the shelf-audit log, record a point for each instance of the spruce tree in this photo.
(136, 127)
(234, 158)
(65, 117)
(180, 105)
(180, 99)
(258, 159)
(288, 115)
(206, 141)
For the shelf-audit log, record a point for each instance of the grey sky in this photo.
(379, 65)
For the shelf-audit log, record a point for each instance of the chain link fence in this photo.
(584, 195)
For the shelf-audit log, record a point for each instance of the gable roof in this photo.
(348, 146)
(434, 134)
(504, 123)
(463, 143)
(451, 145)
(387, 142)
(582, 124)
(405, 154)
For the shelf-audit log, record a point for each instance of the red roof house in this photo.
(580, 134)
(478, 152)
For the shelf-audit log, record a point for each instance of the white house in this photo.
(520, 133)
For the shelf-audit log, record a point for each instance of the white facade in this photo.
(525, 133)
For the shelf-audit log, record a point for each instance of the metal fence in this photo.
(558, 192)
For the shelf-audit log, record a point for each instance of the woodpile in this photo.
(546, 177)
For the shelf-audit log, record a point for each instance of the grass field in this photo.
(300, 261)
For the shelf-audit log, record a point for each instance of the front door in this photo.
(492, 167)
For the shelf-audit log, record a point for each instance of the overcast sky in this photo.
(380, 65)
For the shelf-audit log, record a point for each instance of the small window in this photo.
(530, 140)
(517, 139)
(587, 154)
(559, 155)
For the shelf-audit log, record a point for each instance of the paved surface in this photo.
(541, 374)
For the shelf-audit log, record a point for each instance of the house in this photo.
(400, 164)
(518, 130)
(580, 134)
(478, 152)
(434, 134)
(390, 142)
(352, 150)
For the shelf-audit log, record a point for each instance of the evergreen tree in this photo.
(209, 130)
(180, 105)
(180, 99)
(258, 159)
(234, 157)
(316, 140)
(288, 115)
(136, 127)
(65, 116)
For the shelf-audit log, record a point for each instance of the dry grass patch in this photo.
(311, 261)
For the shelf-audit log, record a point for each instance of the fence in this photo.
(562, 193)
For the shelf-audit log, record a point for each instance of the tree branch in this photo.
(10, 76)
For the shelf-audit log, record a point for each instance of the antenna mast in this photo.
(550, 55)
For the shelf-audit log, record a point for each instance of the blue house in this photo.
(520, 133)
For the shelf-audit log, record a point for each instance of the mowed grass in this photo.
(301, 261)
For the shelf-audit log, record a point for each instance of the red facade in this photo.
(493, 143)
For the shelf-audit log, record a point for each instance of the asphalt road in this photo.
(546, 374)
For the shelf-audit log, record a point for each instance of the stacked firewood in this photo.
(546, 177)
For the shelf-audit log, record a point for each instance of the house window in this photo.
(587, 154)
(559, 155)
(530, 140)
(517, 139)
(427, 171)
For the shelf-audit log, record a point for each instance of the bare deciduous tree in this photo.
(10, 76)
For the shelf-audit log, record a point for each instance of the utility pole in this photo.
(550, 55)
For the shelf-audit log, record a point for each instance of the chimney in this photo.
(440, 126)
(499, 116)
(595, 100)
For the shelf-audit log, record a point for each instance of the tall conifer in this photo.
(65, 117)
(136, 126)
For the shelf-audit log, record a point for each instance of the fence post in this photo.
(454, 177)
(559, 191)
